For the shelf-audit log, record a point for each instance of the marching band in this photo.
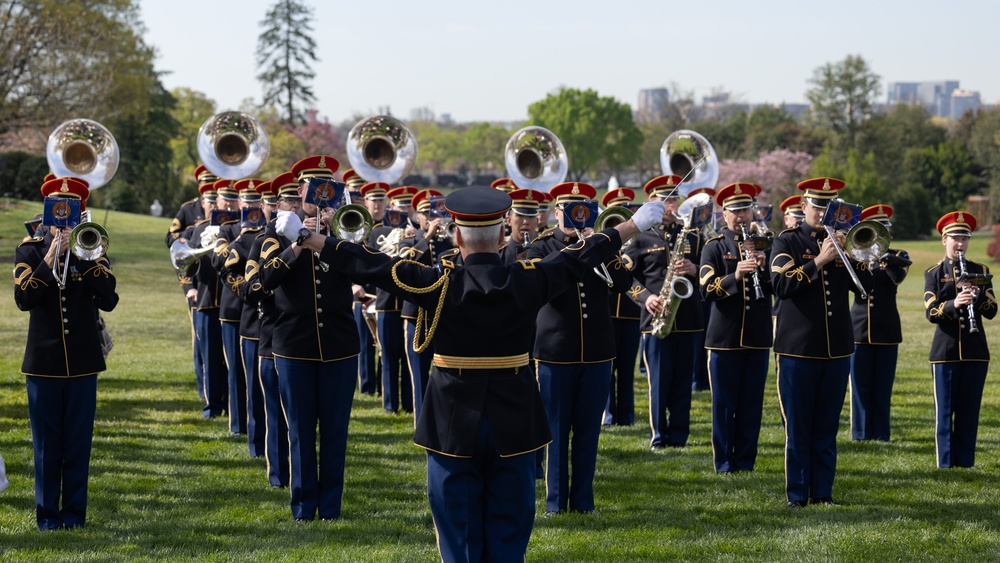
(288, 319)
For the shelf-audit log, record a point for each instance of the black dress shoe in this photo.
(551, 513)
(657, 447)
(796, 504)
(825, 500)
(303, 519)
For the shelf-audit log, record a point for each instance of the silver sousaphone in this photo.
(85, 149)
(536, 159)
(233, 145)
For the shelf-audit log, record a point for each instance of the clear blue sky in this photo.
(480, 60)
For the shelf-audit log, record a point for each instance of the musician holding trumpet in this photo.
(958, 294)
(61, 359)
(814, 340)
(735, 280)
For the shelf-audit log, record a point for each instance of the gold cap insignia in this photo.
(322, 161)
(960, 218)
(738, 190)
(880, 212)
(250, 184)
(621, 193)
(826, 185)
(576, 189)
(530, 195)
(65, 186)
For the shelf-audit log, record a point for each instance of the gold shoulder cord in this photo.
(442, 283)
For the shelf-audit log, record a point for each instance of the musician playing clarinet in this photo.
(735, 280)
(958, 294)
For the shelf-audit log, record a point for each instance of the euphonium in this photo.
(183, 256)
(675, 286)
(612, 217)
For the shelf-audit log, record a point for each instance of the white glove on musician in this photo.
(288, 224)
(651, 213)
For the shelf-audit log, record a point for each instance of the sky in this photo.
(488, 61)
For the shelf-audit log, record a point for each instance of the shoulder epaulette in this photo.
(198, 222)
(450, 252)
(716, 237)
(546, 233)
(27, 240)
(789, 229)
(230, 222)
(190, 202)
(935, 265)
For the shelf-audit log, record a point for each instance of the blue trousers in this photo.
(418, 365)
(367, 374)
(235, 376)
(213, 361)
(668, 366)
(314, 393)
(958, 396)
(811, 392)
(276, 437)
(574, 396)
(255, 398)
(873, 371)
(396, 392)
(620, 408)
(61, 412)
(737, 379)
(483, 506)
(199, 368)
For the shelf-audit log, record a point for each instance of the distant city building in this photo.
(942, 98)
(652, 104)
(963, 101)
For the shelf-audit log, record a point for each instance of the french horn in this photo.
(233, 144)
(688, 154)
(536, 159)
(381, 149)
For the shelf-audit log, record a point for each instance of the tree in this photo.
(285, 50)
(777, 172)
(483, 146)
(192, 109)
(863, 183)
(598, 132)
(60, 60)
(843, 96)
(439, 147)
(889, 135)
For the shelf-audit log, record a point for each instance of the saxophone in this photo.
(675, 286)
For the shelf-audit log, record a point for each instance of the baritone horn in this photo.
(183, 256)
(536, 159)
(381, 149)
(233, 144)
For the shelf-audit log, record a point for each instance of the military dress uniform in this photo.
(397, 387)
(368, 373)
(315, 346)
(959, 357)
(233, 273)
(877, 334)
(208, 330)
(669, 361)
(61, 360)
(814, 340)
(428, 252)
(190, 213)
(482, 414)
(625, 314)
(230, 311)
(573, 355)
(262, 301)
(738, 338)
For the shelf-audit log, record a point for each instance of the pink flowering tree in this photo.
(776, 172)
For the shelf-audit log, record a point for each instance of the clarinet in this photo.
(970, 309)
(747, 254)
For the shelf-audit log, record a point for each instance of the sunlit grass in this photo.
(166, 484)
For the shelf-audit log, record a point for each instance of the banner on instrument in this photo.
(61, 212)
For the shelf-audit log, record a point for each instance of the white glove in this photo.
(288, 224)
(651, 213)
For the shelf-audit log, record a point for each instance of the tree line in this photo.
(62, 60)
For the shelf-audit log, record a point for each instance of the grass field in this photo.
(167, 484)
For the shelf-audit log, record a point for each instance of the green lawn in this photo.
(166, 484)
